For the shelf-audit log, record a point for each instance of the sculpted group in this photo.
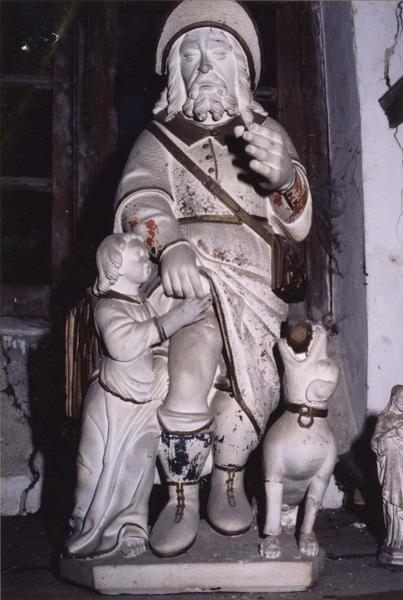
(188, 379)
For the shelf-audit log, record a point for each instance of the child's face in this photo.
(136, 265)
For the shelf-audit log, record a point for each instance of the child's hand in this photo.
(194, 309)
(188, 311)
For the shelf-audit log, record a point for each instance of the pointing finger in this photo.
(261, 168)
(256, 152)
(267, 132)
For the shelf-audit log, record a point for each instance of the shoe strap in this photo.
(233, 469)
(180, 497)
(230, 482)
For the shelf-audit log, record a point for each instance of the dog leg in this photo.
(288, 518)
(307, 539)
(270, 548)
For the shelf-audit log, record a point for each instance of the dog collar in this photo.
(306, 411)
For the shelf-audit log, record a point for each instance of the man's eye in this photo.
(189, 56)
(220, 55)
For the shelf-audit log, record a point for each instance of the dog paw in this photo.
(270, 548)
(308, 544)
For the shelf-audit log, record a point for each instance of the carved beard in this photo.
(208, 94)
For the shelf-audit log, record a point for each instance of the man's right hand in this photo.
(179, 273)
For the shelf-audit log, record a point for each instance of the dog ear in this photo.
(320, 390)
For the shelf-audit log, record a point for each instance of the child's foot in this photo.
(133, 546)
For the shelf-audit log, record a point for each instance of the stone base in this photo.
(215, 563)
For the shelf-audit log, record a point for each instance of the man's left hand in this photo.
(269, 155)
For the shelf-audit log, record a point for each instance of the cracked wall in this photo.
(348, 289)
(379, 63)
(21, 461)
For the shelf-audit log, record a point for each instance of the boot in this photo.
(228, 508)
(182, 457)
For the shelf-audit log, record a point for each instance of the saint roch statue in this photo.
(223, 379)
(207, 186)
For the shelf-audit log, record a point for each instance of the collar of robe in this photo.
(190, 131)
(118, 296)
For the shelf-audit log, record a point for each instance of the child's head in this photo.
(109, 259)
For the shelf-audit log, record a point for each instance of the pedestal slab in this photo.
(215, 563)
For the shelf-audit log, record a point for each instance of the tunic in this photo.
(119, 432)
(163, 202)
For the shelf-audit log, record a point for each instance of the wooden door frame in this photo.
(303, 113)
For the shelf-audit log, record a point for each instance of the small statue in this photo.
(300, 448)
(387, 444)
(120, 432)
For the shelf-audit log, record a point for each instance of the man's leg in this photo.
(228, 508)
(194, 354)
(187, 436)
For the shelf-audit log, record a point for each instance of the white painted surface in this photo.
(375, 27)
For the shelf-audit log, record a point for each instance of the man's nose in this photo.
(204, 66)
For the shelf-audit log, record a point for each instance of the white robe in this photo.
(119, 438)
(161, 201)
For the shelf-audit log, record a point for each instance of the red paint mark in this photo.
(219, 254)
(297, 196)
(133, 223)
(276, 199)
(152, 230)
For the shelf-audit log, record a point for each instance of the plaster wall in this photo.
(21, 459)
(379, 56)
(347, 264)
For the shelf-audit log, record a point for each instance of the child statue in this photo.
(120, 432)
(387, 444)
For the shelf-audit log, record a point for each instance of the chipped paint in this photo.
(152, 230)
(276, 199)
(132, 224)
(297, 196)
(185, 454)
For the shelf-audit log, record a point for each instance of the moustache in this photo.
(210, 80)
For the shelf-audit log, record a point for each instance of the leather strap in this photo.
(211, 184)
(180, 483)
(233, 469)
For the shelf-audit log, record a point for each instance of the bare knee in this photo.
(194, 355)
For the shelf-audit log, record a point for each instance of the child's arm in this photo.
(188, 311)
(125, 339)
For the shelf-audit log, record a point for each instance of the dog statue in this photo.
(299, 451)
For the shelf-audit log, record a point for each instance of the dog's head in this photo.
(311, 376)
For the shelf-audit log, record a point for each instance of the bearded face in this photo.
(208, 79)
(209, 71)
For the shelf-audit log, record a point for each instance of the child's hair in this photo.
(109, 260)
